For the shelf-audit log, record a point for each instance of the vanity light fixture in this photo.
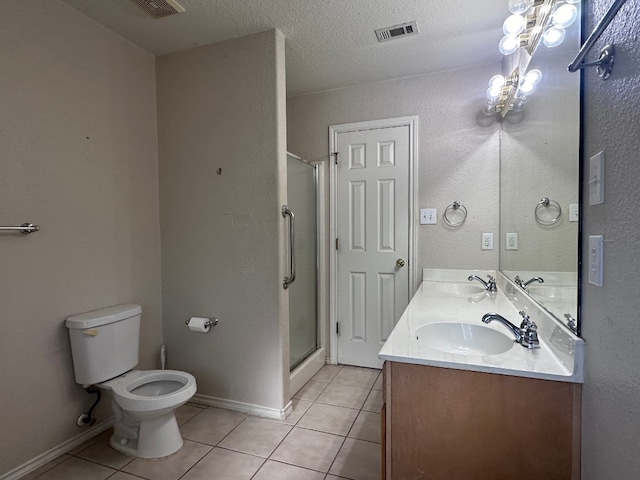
(530, 22)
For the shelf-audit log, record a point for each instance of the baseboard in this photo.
(251, 409)
(56, 451)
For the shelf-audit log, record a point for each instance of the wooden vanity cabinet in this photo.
(447, 424)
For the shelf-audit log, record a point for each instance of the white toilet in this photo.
(104, 346)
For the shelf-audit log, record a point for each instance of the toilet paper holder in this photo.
(211, 322)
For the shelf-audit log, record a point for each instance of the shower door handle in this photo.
(286, 212)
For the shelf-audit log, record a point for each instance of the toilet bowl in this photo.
(104, 347)
(144, 403)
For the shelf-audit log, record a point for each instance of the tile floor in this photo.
(333, 433)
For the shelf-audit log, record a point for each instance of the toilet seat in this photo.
(151, 390)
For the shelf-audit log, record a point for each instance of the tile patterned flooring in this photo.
(333, 433)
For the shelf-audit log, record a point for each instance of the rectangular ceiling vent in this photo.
(397, 31)
(159, 8)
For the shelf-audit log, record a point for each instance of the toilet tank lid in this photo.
(102, 316)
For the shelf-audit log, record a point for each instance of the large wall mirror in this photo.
(539, 179)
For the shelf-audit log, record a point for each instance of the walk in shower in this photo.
(306, 356)
(302, 194)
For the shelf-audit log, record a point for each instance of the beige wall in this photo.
(222, 107)
(610, 315)
(457, 152)
(79, 158)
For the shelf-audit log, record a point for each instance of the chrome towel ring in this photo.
(450, 214)
(542, 206)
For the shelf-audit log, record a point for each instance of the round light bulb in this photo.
(519, 105)
(553, 36)
(489, 109)
(533, 77)
(497, 81)
(520, 6)
(513, 25)
(493, 93)
(526, 89)
(508, 44)
(564, 15)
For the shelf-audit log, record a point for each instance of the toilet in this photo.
(104, 346)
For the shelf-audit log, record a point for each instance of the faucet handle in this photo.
(491, 285)
(529, 331)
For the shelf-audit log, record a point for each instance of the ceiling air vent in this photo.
(397, 31)
(159, 8)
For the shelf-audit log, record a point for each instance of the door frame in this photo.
(334, 131)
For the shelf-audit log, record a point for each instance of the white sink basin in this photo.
(457, 288)
(463, 339)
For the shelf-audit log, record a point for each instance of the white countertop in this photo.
(559, 357)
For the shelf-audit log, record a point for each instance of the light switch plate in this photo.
(596, 179)
(574, 212)
(428, 216)
(596, 260)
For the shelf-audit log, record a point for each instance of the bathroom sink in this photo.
(463, 339)
(457, 288)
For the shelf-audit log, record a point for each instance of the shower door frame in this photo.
(308, 367)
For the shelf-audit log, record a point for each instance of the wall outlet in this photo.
(428, 216)
(511, 241)
(596, 260)
(487, 241)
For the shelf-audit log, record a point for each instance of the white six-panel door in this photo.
(372, 227)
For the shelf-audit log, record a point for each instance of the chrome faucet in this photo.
(490, 286)
(526, 335)
(518, 281)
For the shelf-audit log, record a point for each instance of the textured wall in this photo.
(458, 152)
(222, 107)
(610, 319)
(79, 157)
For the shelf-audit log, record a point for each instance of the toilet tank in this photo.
(104, 343)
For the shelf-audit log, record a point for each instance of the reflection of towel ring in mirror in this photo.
(455, 206)
(544, 203)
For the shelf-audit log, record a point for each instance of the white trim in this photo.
(334, 130)
(56, 451)
(307, 369)
(250, 408)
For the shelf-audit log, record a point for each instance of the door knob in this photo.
(399, 263)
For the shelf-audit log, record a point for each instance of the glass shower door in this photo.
(303, 303)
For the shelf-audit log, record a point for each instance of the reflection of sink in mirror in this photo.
(551, 293)
(456, 288)
(463, 339)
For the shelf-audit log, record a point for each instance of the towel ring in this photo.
(544, 203)
(455, 206)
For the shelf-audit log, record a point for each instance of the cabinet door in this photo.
(453, 424)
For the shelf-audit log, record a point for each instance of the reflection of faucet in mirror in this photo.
(524, 285)
(482, 297)
(489, 286)
(526, 335)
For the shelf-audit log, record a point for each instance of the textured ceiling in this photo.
(329, 43)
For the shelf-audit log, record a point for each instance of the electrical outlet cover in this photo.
(487, 241)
